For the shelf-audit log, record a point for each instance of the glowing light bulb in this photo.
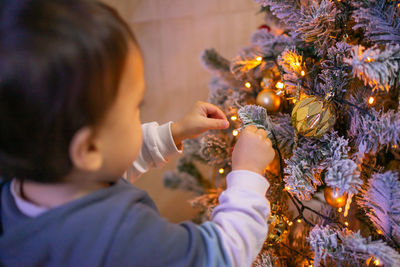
(280, 85)
(369, 59)
(294, 101)
(340, 210)
(235, 132)
(297, 64)
(288, 188)
(259, 59)
(371, 100)
(234, 117)
(394, 146)
(299, 220)
(248, 85)
(290, 223)
(379, 231)
(221, 171)
(346, 223)
(303, 73)
(377, 262)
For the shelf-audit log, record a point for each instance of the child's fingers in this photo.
(251, 128)
(212, 111)
(262, 133)
(216, 124)
(269, 142)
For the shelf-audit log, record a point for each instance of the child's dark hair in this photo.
(60, 66)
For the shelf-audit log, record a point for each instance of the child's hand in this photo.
(253, 151)
(203, 116)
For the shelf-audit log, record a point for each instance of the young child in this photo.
(71, 84)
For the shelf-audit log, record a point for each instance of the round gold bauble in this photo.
(313, 116)
(333, 198)
(269, 100)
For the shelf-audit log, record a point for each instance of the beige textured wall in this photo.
(172, 34)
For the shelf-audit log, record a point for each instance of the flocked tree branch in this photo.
(374, 66)
(381, 201)
(348, 247)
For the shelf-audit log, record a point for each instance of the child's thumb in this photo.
(215, 124)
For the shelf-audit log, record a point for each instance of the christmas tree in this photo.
(326, 89)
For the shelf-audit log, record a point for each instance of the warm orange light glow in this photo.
(299, 220)
(292, 60)
(394, 146)
(369, 59)
(303, 73)
(280, 85)
(248, 85)
(377, 262)
(347, 207)
(221, 171)
(235, 132)
(371, 100)
(259, 59)
(288, 188)
(340, 210)
(234, 117)
(346, 223)
(294, 101)
(379, 231)
(290, 223)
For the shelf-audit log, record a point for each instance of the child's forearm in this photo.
(177, 135)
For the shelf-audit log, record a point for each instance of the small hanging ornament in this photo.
(268, 99)
(267, 82)
(333, 198)
(265, 27)
(278, 225)
(313, 116)
(269, 78)
(277, 229)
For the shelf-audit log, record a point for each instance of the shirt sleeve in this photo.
(157, 147)
(240, 219)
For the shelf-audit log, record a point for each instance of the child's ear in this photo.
(84, 150)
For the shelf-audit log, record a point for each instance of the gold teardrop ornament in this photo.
(313, 116)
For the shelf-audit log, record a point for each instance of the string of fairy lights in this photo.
(295, 62)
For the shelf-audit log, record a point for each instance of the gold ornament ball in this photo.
(333, 198)
(313, 116)
(269, 100)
